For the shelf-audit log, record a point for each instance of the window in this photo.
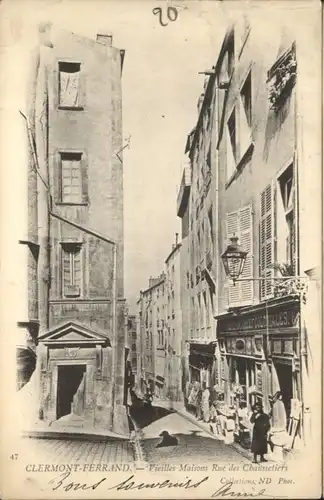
(69, 84)
(231, 145)
(230, 55)
(71, 177)
(286, 218)
(287, 188)
(282, 78)
(71, 265)
(245, 93)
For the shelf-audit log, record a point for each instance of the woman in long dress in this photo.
(261, 428)
(205, 404)
(278, 413)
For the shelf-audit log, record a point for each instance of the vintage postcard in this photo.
(161, 244)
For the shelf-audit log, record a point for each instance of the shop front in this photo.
(260, 356)
(201, 362)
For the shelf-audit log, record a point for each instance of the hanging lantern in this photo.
(234, 259)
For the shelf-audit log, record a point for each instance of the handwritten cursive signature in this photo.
(128, 484)
(226, 491)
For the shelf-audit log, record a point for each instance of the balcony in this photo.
(184, 191)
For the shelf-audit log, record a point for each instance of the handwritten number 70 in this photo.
(172, 14)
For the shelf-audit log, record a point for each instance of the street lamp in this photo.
(234, 259)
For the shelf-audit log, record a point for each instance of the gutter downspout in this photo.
(114, 328)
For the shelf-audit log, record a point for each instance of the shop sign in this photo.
(281, 319)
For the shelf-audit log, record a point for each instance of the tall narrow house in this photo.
(75, 230)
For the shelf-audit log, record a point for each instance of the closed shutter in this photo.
(72, 272)
(246, 242)
(77, 268)
(267, 240)
(66, 269)
(232, 229)
(240, 224)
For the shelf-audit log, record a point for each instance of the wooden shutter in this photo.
(77, 268)
(267, 240)
(240, 224)
(246, 242)
(232, 229)
(66, 269)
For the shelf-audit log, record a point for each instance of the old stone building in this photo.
(152, 336)
(74, 243)
(197, 208)
(248, 178)
(174, 328)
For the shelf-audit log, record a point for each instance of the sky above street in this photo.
(161, 86)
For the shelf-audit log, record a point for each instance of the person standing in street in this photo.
(261, 428)
(205, 404)
(278, 413)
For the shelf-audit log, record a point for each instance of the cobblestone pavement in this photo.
(194, 445)
(74, 451)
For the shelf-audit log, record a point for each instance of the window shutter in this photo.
(246, 242)
(267, 240)
(232, 229)
(77, 269)
(66, 269)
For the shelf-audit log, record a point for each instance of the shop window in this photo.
(71, 269)
(69, 84)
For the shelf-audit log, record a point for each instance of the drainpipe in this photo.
(114, 330)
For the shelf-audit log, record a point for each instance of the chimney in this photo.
(177, 236)
(105, 39)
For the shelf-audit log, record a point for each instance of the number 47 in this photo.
(14, 456)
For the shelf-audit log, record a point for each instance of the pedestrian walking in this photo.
(261, 428)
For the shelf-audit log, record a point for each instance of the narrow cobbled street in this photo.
(195, 446)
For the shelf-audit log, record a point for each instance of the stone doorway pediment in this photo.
(73, 333)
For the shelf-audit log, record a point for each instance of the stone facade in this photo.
(75, 237)
(152, 336)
